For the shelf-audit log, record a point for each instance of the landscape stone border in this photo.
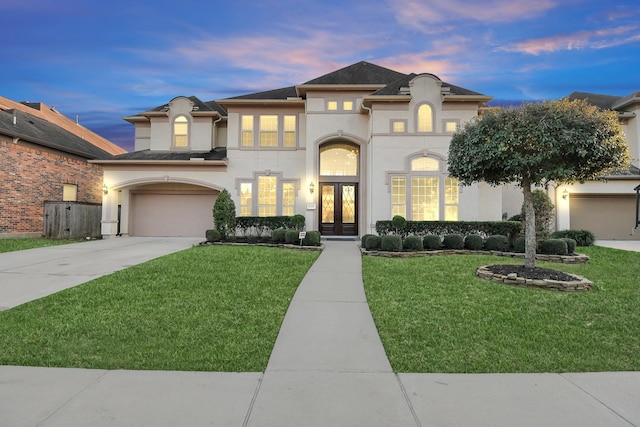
(581, 284)
(564, 259)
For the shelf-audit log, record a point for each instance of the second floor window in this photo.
(425, 118)
(180, 132)
(268, 131)
(273, 131)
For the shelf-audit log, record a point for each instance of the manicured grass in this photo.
(214, 308)
(434, 315)
(11, 244)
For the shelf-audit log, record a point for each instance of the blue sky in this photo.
(103, 60)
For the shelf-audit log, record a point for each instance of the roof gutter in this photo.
(190, 162)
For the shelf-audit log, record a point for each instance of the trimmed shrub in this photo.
(224, 214)
(277, 235)
(398, 222)
(312, 238)
(412, 243)
(497, 243)
(473, 242)
(519, 245)
(252, 239)
(516, 217)
(453, 241)
(297, 222)
(510, 229)
(391, 243)
(431, 242)
(372, 243)
(212, 235)
(291, 236)
(363, 240)
(582, 237)
(554, 247)
(571, 245)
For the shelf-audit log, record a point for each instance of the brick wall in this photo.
(31, 175)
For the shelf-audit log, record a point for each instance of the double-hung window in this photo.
(268, 131)
(273, 131)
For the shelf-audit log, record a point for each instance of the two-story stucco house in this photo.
(346, 149)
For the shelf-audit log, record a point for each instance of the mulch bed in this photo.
(536, 273)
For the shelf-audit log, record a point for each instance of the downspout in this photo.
(213, 133)
(369, 170)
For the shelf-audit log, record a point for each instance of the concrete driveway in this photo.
(35, 273)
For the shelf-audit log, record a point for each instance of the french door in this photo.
(339, 209)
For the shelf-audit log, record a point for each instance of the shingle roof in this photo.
(602, 101)
(282, 93)
(40, 110)
(42, 132)
(198, 105)
(362, 73)
(215, 154)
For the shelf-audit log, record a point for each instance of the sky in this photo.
(104, 60)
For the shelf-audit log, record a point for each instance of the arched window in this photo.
(425, 118)
(180, 132)
(339, 160)
(425, 192)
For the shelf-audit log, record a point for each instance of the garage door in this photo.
(170, 214)
(608, 217)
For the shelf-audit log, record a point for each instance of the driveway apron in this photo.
(34, 273)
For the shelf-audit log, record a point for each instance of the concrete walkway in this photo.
(328, 368)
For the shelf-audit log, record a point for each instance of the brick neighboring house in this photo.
(44, 157)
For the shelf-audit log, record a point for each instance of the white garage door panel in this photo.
(175, 215)
(608, 217)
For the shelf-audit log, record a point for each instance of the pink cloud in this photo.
(422, 15)
(598, 39)
(284, 59)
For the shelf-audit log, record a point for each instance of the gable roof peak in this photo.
(360, 73)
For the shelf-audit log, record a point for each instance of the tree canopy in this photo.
(559, 141)
(562, 141)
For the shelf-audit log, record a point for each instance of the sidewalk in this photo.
(328, 368)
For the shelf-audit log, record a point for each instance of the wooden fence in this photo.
(72, 220)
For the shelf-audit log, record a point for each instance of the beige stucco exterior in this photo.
(354, 114)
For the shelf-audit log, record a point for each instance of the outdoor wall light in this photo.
(565, 194)
(105, 189)
(311, 187)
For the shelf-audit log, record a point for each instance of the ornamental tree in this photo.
(561, 141)
(224, 214)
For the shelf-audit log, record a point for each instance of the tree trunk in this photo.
(530, 225)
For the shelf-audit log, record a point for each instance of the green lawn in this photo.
(214, 308)
(434, 315)
(11, 244)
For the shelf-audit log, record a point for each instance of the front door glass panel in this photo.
(348, 203)
(328, 207)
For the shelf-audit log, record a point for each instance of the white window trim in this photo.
(417, 118)
(173, 132)
(408, 174)
(446, 121)
(340, 106)
(393, 121)
(280, 132)
(279, 196)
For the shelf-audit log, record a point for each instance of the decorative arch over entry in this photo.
(339, 179)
